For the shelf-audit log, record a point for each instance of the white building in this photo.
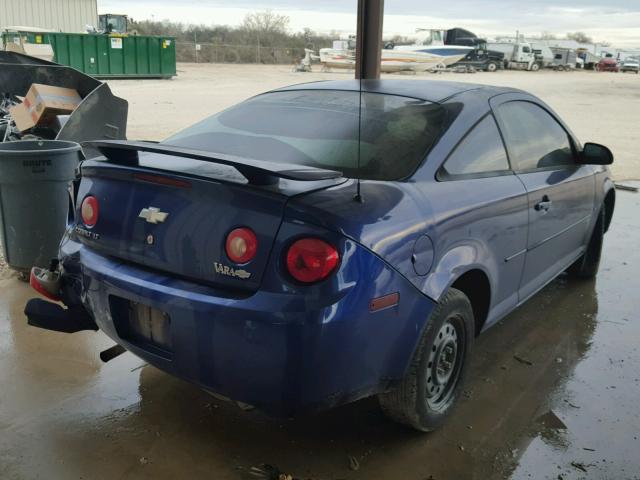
(60, 15)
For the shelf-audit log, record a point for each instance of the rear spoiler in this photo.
(257, 172)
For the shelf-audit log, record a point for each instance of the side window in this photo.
(534, 138)
(526, 50)
(480, 152)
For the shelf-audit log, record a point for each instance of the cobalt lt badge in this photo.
(153, 215)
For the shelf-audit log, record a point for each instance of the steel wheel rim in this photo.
(444, 364)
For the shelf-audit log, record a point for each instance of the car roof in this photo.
(428, 90)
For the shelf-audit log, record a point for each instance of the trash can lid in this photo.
(28, 147)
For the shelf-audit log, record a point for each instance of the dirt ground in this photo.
(553, 391)
(553, 394)
(599, 107)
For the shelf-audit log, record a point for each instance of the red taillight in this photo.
(241, 245)
(89, 211)
(310, 260)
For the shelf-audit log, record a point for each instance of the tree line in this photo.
(263, 37)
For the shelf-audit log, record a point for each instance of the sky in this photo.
(614, 21)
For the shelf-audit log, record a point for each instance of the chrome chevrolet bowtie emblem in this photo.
(153, 215)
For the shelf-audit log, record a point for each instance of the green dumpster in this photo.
(107, 56)
(35, 177)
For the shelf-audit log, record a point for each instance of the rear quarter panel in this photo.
(479, 224)
(389, 222)
(470, 224)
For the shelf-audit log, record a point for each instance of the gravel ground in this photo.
(5, 271)
(570, 411)
(4, 268)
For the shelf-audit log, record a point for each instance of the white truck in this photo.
(522, 55)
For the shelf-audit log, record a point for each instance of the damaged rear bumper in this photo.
(282, 352)
(51, 316)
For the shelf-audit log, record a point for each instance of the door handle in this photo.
(544, 205)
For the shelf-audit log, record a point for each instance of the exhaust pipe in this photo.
(111, 353)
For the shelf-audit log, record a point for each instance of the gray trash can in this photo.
(34, 199)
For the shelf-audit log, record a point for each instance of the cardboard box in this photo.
(42, 104)
(21, 116)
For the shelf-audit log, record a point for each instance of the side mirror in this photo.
(595, 154)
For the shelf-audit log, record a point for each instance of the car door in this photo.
(560, 191)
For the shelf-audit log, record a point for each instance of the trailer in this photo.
(543, 53)
(589, 59)
(564, 59)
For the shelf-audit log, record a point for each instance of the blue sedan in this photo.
(324, 242)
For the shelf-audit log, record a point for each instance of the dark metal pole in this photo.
(369, 38)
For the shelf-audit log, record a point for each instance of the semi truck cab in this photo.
(519, 55)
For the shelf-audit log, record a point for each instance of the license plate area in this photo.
(146, 327)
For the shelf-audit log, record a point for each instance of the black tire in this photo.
(586, 267)
(492, 67)
(434, 367)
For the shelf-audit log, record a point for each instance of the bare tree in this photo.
(547, 36)
(400, 40)
(223, 43)
(579, 37)
(266, 23)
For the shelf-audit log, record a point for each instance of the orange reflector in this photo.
(387, 301)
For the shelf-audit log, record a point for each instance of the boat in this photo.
(397, 60)
(434, 43)
(429, 53)
(391, 61)
(337, 58)
(343, 55)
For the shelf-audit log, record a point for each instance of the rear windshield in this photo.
(319, 128)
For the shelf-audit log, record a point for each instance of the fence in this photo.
(219, 53)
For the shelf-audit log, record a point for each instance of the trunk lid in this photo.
(202, 201)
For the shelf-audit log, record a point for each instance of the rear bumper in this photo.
(283, 352)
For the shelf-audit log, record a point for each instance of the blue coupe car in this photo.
(329, 241)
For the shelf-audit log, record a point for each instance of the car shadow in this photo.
(516, 365)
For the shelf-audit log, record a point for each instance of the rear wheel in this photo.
(586, 267)
(428, 393)
(492, 67)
